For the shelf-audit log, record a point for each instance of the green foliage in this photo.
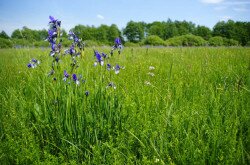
(230, 42)
(203, 32)
(134, 31)
(220, 41)
(153, 40)
(4, 35)
(186, 40)
(5, 43)
(238, 31)
(91, 43)
(103, 34)
(216, 41)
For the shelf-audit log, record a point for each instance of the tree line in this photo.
(172, 33)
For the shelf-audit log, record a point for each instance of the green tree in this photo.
(4, 35)
(113, 33)
(134, 31)
(203, 32)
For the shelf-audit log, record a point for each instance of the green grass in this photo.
(194, 110)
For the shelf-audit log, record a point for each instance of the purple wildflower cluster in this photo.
(53, 35)
(118, 45)
(100, 58)
(76, 49)
(33, 63)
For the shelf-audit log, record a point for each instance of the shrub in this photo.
(153, 40)
(216, 41)
(248, 43)
(5, 43)
(230, 42)
(186, 40)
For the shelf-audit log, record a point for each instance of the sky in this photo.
(14, 14)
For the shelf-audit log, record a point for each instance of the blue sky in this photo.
(34, 14)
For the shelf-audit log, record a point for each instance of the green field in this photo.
(193, 108)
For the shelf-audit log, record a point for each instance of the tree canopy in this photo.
(233, 33)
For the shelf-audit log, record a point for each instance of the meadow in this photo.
(166, 106)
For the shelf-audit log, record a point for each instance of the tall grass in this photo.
(194, 110)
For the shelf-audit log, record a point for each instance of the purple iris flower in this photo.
(57, 59)
(118, 41)
(34, 60)
(66, 74)
(108, 67)
(33, 63)
(87, 93)
(29, 65)
(53, 46)
(104, 55)
(117, 69)
(98, 58)
(72, 50)
(75, 79)
(52, 19)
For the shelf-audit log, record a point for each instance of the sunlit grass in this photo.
(193, 108)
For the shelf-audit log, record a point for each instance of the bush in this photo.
(216, 41)
(221, 41)
(21, 42)
(230, 42)
(153, 40)
(5, 43)
(248, 43)
(41, 44)
(186, 40)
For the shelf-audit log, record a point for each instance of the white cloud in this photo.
(100, 16)
(212, 1)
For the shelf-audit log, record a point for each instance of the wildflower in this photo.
(151, 74)
(29, 65)
(57, 59)
(117, 69)
(118, 45)
(151, 68)
(75, 79)
(33, 63)
(104, 55)
(54, 22)
(118, 41)
(76, 40)
(98, 58)
(111, 85)
(108, 67)
(147, 83)
(157, 160)
(87, 93)
(66, 75)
